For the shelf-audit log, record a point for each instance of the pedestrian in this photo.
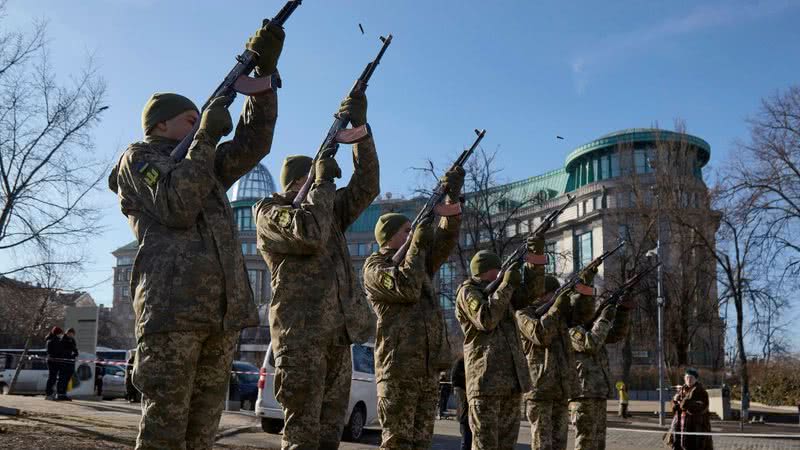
(496, 370)
(444, 394)
(318, 307)
(622, 393)
(589, 333)
(550, 357)
(690, 409)
(55, 353)
(411, 345)
(99, 371)
(191, 294)
(70, 353)
(131, 393)
(458, 378)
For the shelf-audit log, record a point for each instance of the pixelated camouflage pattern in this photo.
(494, 421)
(590, 424)
(189, 273)
(549, 421)
(407, 412)
(493, 358)
(314, 392)
(183, 377)
(591, 357)
(411, 339)
(315, 291)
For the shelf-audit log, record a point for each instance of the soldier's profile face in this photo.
(400, 236)
(179, 126)
(490, 275)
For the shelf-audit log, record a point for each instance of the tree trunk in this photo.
(34, 326)
(627, 359)
(744, 378)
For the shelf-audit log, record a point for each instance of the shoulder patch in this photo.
(387, 280)
(149, 172)
(283, 217)
(474, 302)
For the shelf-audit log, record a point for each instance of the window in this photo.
(124, 260)
(125, 291)
(447, 286)
(363, 359)
(550, 251)
(511, 230)
(524, 227)
(375, 247)
(624, 232)
(256, 277)
(362, 249)
(598, 175)
(583, 250)
(352, 249)
(244, 219)
(244, 248)
(614, 162)
(253, 248)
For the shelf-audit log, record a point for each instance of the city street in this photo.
(83, 424)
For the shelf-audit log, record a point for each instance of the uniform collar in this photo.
(161, 142)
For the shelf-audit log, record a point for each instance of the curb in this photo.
(237, 430)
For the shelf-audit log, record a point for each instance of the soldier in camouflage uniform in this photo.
(547, 347)
(497, 373)
(317, 308)
(190, 290)
(589, 338)
(411, 345)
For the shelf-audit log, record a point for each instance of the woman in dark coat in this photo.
(55, 351)
(70, 349)
(690, 406)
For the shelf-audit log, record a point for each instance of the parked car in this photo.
(113, 382)
(363, 405)
(32, 378)
(246, 377)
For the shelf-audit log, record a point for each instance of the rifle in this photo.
(616, 295)
(238, 80)
(436, 197)
(522, 250)
(338, 133)
(576, 277)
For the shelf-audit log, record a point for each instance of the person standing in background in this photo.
(70, 352)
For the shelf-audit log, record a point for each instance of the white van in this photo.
(363, 404)
(32, 378)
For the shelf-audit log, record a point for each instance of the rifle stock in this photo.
(238, 80)
(436, 197)
(338, 132)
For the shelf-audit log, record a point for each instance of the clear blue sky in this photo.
(526, 71)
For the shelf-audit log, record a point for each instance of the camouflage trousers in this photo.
(549, 423)
(407, 410)
(590, 423)
(313, 386)
(494, 421)
(183, 377)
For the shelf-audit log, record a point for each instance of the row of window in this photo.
(362, 248)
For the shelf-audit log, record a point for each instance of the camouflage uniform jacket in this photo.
(315, 291)
(591, 357)
(547, 347)
(189, 272)
(493, 358)
(411, 340)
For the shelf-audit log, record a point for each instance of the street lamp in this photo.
(659, 301)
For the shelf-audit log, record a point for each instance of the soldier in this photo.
(190, 290)
(317, 307)
(497, 373)
(546, 344)
(589, 337)
(411, 345)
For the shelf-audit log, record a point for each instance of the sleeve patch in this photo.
(149, 173)
(387, 280)
(282, 217)
(474, 303)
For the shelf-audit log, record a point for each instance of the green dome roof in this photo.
(632, 135)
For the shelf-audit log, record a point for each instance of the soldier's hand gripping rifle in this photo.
(429, 208)
(615, 297)
(238, 80)
(338, 133)
(522, 251)
(576, 278)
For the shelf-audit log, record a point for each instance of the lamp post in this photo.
(659, 301)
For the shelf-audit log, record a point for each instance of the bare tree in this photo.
(46, 164)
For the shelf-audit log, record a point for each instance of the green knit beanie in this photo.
(551, 283)
(294, 168)
(484, 261)
(163, 106)
(388, 224)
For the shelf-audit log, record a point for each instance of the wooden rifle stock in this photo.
(238, 80)
(338, 132)
(435, 198)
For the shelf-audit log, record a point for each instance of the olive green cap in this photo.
(551, 283)
(388, 224)
(294, 168)
(163, 106)
(693, 372)
(484, 261)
